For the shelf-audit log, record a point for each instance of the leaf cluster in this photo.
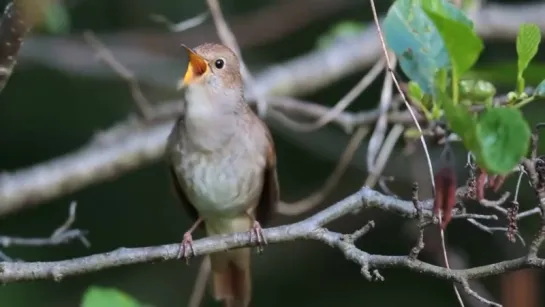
(437, 46)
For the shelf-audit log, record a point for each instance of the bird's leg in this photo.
(186, 247)
(256, 230)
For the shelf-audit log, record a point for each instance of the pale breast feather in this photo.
(220, 185)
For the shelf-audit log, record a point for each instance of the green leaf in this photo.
(414, 91)
(504, 136)
(461, 122)
(411, 35)
(540, 90)
(447, 10)
(57, 18)
(528, 40)
(463, 45)
(441, 80)
(101, 297)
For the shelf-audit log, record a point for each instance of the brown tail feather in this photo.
(231, 279)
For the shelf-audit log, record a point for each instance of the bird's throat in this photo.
(209, 125)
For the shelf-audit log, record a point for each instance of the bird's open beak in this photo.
(196, 68)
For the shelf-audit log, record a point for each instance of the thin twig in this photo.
(422, 140)
(345, 101)
(494, 229)
(353, 237)
(228, 38)
(384, 155)
(319, 195)
(183, 25)
(143, 107)
(420, 223)
(481, 299)
(517, 188)
(375, 142)
(63, 234)
(200, 283)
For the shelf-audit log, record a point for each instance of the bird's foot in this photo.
(260, 239)
(186, 248)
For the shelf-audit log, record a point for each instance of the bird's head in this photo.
(212, 66)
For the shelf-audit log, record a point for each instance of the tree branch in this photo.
(62, 235)
(311, 228)
(130, 145)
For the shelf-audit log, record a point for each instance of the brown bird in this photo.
(223, 163)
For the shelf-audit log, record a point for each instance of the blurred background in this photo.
(61, 96)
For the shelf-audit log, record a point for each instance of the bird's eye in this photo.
(219, 64)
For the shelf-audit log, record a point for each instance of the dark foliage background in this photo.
(46, 112)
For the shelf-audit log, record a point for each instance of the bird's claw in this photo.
(186, 248)
(260, 239)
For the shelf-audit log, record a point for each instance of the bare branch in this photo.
(143, 106)
(311, 228)
(183, 25)
(344, 102)
(417, 124)
(384, 155)
(63, 234)
(375, 142)
(420, 220)
(481, 299)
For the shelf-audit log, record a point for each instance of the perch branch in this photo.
(311, 228)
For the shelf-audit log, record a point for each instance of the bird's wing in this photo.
(176, 184)
(269, 198)
(182, 197)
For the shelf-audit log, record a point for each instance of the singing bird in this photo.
(223, 163)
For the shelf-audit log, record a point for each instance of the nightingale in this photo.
(222, 161)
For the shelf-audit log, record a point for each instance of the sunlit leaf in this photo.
(463, 45)
(528, 40)
(101, 297)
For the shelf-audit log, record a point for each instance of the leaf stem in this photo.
(525, 102)
(420, 105)
(520, 84)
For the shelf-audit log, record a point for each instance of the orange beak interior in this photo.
(196, 68)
